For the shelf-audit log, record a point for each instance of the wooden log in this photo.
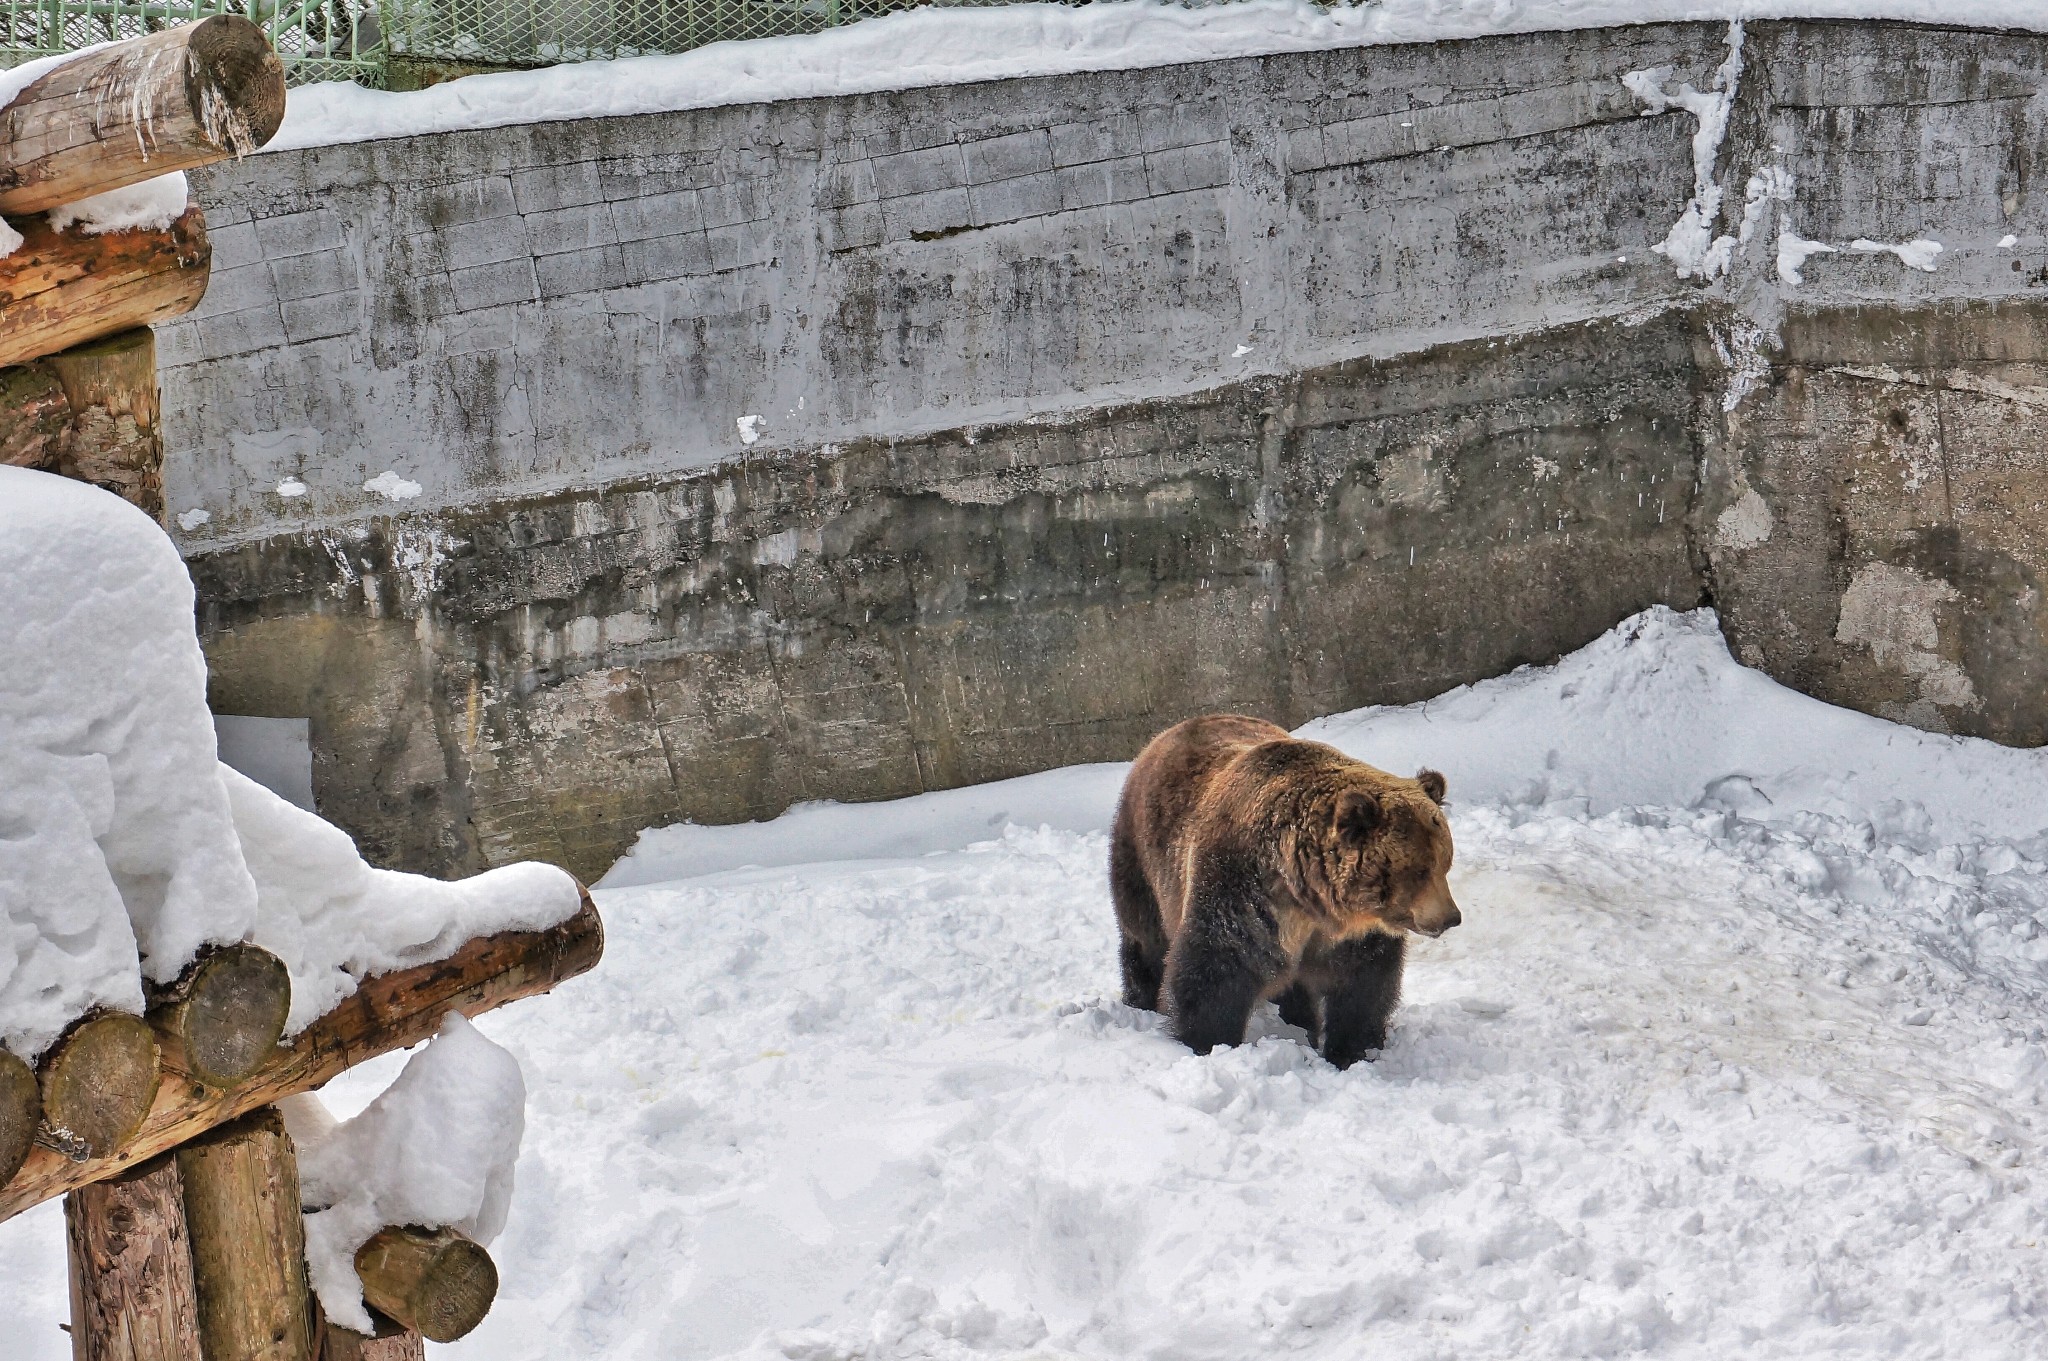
(98, 1083)
(225, 1015)
(167, 101)
(438, 1281)
(34, 414)
(113, 440)
(60, 289)
(248, 1241)
(132, 1297)
(389, 1343)
(21, 1110)
(391, 1011)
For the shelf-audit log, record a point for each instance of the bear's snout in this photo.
(1437, 912)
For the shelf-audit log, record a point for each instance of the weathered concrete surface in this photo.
(895, 617)
(518, 311)
(1283, 385)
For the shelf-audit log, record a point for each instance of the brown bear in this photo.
(1247, 864)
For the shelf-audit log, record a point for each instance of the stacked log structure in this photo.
(182, 1212)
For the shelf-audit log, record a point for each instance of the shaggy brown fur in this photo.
(1248, 865)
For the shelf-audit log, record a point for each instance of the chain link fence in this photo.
(318, 39)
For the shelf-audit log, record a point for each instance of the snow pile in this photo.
(117, 854)
(436, 1149)
(957, 46)
(125, 846)
(152, 204)
(334, 919)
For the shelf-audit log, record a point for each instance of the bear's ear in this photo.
(1432, 784)
(1358, 814)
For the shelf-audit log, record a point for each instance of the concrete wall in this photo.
(1282, 384)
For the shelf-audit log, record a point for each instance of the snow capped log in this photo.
(399, 1196)
(121, 853)
(132, 1296)
(248, 1241)
(133, 110)
(438, 1282)
(62, 288)
(98, 1082)
(21, 1111)
(225, 1015)
(393, 1011)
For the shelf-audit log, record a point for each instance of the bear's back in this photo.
(1169, 787)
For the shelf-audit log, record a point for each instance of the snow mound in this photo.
(436, 1149)
(115, 835)
(154, 203)
(334, 919)
(956, 46)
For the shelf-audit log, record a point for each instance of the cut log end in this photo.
(236, 83)
(225, 1017)
(436, 1281)
(97, 1085)
(21, 1110)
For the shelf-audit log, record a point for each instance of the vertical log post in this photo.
(389, 1343)
(113, 440)
(132, 1296)
(248, 1241)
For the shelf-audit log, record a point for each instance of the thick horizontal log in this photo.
(132, 1297)
(99, 1081)
(438, 1281)
(224, 1015)
(248, 1241)
(167, 101)
(60, 289)
(391, 1011)
(21, 1110)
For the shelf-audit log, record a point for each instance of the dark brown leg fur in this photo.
(1142, 952)
(1360, 981)
(1225, 955)
(1298, 1008)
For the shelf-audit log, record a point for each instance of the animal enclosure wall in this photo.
(849, 447)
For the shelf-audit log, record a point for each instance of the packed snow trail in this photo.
(1737, 1051)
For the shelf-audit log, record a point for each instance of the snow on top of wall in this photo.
(946, 46)
(436, 1149)
(115, 837)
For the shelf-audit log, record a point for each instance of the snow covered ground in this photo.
(955, 46)
(1739, 1051)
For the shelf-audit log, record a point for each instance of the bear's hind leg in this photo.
(1298, 1008)
(1362, 984)
(1142, 952)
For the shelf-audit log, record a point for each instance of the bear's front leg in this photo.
(1226, 952)
(1362, 984)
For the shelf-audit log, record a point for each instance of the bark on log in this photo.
(34, 414)
(21, 1110)
(60, 289)
(389, 1343)
(438, 1281)
(133, 110)
(98, 1083)
(248, 1241)
(132, 1296)
(224, 1017)
(393, 1011)
(113, 440)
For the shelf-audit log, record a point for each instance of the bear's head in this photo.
(1387, 853)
